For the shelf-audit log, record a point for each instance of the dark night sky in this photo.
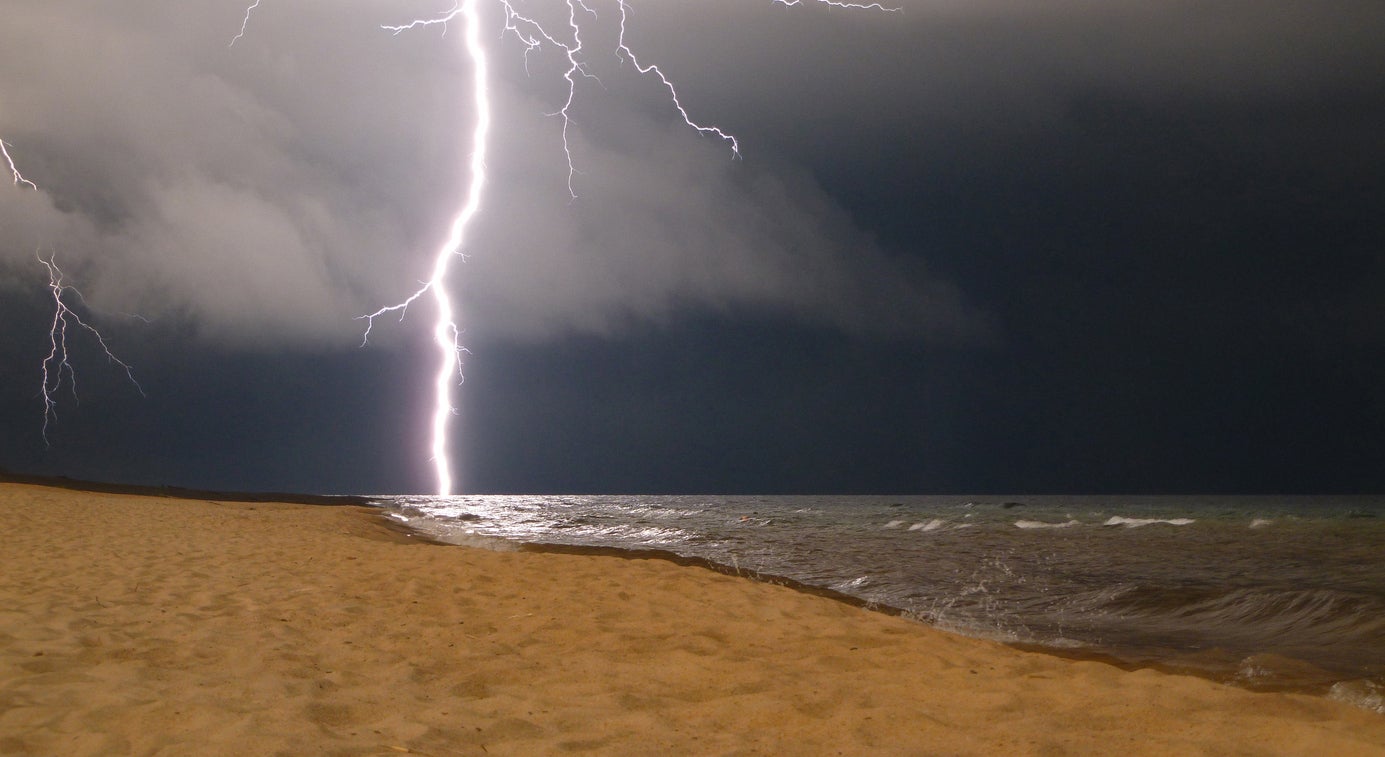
(987, 246)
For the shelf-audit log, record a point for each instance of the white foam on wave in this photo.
(1363, 694)
(450, 532)
(894, 524)
(1260, 522)
(1046, 524)
(932, 525)
(848, 585)
(1063, 642)
(1116, 520)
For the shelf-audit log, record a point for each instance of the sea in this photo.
(1266, 593)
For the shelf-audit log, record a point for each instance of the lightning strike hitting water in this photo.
(445, 331)
(532, 36)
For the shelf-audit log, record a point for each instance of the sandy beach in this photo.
(148, 625)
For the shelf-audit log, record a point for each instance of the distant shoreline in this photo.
(178, 492)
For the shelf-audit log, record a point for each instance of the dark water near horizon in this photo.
(1265, 593)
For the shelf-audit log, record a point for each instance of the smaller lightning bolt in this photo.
(245, 23)
(835, 4)
(532, 36)
(624, 50)
(56, 366)
(18, 177)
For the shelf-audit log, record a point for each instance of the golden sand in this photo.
(140, 625)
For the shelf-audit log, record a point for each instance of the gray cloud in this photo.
(267, 193)
(183, 180)
(662, 224)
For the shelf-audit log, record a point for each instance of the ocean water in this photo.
(1264, 593)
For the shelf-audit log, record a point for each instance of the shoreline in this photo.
(1075, 654)
(179, 492)
(1223, 672)
(1212, 664)
(133, 624)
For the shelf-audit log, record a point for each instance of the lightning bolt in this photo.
(532, 36)
(19, 179)
(56, 367)
(835, 4)
(446, 334)
(245, 23)
(624, 50)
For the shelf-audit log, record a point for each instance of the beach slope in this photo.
(150, 625)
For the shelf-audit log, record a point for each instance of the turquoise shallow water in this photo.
(1266, 593)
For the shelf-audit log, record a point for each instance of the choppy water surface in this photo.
(1266, 593)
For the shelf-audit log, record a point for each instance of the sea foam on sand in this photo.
(139, 625)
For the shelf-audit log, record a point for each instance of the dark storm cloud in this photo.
(969, 81)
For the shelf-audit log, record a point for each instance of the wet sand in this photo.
(151, 625)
